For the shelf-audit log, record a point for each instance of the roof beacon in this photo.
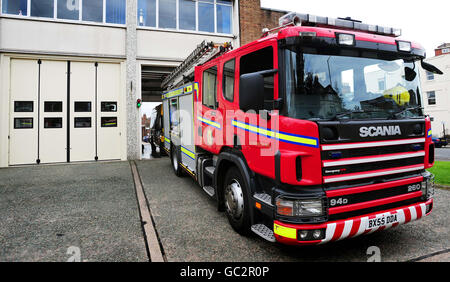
(311, 20)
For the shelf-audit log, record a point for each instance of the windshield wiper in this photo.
(343, 114)
(396, 115)
(350, 113)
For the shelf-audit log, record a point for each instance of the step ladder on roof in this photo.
(204, 52)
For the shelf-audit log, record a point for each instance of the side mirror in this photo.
(410, 74)
(431, 68)
(251, 90)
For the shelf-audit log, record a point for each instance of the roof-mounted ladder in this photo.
(204, 52)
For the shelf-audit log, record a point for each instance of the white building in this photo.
(71, 71)
(436, 91)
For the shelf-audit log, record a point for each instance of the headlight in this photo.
(301, 208)
(427, 187)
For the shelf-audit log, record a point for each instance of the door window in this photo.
(52, 122)
(209, 87)
(53, 107)
(83, 107)
(21, 123)
(23, 106)
(228, 80)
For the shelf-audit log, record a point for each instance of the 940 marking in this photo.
(338, 202)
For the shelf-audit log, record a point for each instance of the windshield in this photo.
(334, 87)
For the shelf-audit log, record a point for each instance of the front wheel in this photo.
(235, 196)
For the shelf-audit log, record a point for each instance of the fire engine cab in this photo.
(313, 133)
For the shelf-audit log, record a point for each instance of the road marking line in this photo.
(152, 242)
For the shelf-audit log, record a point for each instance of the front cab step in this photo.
(264, 232)
(209, 190)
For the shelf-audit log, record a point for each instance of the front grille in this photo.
(353, 153)
(360, 167)
(373, 195)
(369, 181)
(351, 167)
(355, 213)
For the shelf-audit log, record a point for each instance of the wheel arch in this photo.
(231, 158)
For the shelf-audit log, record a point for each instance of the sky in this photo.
(423, 22)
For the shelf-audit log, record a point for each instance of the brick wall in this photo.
(253, 19)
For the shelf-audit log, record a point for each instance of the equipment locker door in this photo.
(166, 125)
(186, 131)
(23, 136)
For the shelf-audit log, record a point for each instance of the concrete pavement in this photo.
(60, 212)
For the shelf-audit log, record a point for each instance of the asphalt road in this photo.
(442, 154)
(191, 229)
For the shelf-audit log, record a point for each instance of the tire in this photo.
(174, 159)
(235, 195)
(162, 151)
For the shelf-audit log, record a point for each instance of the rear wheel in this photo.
(175, 162)
(235, 196)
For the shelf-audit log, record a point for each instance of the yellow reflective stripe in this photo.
(209, 122)
(285, 231)
(166, 139)
(187, 152)
(183, 90)
(276, 135)
(296, 139)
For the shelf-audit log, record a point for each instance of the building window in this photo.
(430, 75)
(213, 16)
(431, 95)
(15, 7)
(224, 17)
(147, 13)
(42, 8)
(93, 10)
(115, 11)
(206, 20)
(167, 13)
(187, 14)
(68, 9)
(100, 11)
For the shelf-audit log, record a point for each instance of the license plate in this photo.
(381, 221)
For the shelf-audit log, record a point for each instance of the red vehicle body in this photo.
(327, 178)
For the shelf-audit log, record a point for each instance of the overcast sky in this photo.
(425, 22)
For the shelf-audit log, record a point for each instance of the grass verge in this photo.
(441, 171)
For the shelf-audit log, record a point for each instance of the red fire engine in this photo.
(313, 133)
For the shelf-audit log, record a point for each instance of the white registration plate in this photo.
(381, 221)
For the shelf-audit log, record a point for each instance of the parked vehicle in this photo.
(293, 136)
(439, 142)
